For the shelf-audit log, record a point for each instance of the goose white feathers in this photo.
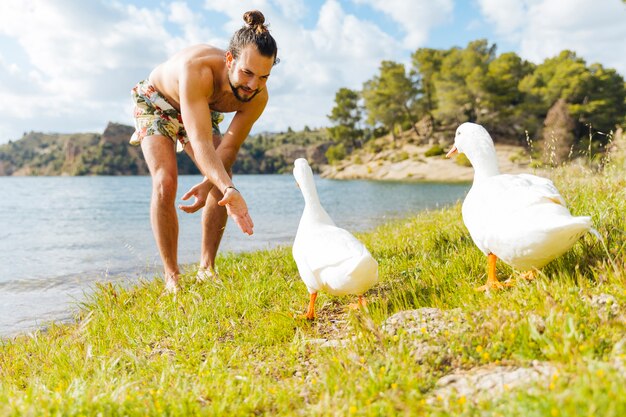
(521, 219)
(329, 258)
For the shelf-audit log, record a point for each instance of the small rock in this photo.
(425, 321)
(427, 330)
(606, 305)
(490, 380)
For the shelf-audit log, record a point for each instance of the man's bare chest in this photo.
(226, 104)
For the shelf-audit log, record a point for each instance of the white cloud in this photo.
(509, 16)
(417, 18)
(82, 60)
(342, 49)
(292, 9)
(193, 27)
(595, 30)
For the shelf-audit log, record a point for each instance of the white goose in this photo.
(521, 219)
(329, 258)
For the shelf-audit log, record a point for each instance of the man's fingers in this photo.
(191, 208)
(187, 195)
(245, 224)
(246, 229)
(188, 209)
(250, 223)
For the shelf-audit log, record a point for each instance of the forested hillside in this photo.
(110, 154)
(275, 152)
(563, 104)
(73, 154)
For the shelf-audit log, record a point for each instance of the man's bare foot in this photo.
(207, 274)
(171, 284)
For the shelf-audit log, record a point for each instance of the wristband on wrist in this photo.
(230, 186)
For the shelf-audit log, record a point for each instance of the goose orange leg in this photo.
(362, 303)
(492, 282)
(310, 313)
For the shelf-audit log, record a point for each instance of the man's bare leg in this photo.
(214, 219)
(213, 224)
(160, 157)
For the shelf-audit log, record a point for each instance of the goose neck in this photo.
(485, 171)
(311, 199)
(485, 162)
(309, 192)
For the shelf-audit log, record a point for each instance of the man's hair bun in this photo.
(255, 20)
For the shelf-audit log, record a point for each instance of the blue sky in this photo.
(68, 65)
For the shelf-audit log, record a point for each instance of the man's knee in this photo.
(164, 186)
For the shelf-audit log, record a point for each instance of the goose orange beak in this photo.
(451, 151)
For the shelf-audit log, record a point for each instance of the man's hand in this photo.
(199, 192)
(237, 209)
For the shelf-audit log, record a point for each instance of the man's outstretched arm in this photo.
(197, 120)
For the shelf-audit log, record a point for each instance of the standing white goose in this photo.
(329, 258)
(521, 219)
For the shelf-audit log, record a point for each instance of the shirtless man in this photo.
(180, 106)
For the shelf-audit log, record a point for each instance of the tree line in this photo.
(562, 99)
(109, 153)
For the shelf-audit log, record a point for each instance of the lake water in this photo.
(61, 235)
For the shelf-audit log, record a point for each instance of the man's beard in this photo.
(239, 97)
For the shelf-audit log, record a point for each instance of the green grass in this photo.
(236, 348)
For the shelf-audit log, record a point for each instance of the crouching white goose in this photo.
(521, 219)
(329, 258)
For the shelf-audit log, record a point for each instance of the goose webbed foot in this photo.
(492, 282)
(529, 275)
(494, 285)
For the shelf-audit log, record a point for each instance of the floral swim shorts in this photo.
(154, 115)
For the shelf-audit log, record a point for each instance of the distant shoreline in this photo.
(416, 167)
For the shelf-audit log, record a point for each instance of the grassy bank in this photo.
(235, 348)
